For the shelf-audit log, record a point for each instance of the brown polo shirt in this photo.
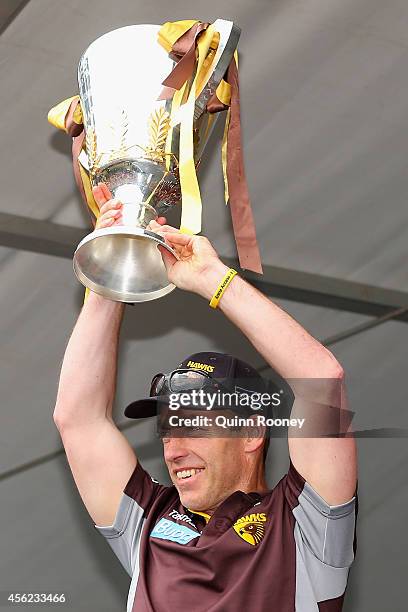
(285, 551)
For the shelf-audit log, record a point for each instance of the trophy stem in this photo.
(137, 214)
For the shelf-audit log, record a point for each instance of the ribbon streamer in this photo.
(225, 98)
(237, 186)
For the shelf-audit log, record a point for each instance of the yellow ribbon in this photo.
(207, 67)
(88, 191)
(225, 93)
(171, 31)
(191, 197)
(167, 36)
(57, 115)
(191, 207)
(224, 156)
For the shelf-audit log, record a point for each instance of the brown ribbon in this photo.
(214, 105)
(73, 128)
(240, 204)
(184, 53)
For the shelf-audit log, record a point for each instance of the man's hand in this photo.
(110, 210)
(198, 268)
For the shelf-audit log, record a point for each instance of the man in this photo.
(218, 539)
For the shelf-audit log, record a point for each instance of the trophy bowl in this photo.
(122, 264)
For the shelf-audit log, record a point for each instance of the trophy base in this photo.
(123, 264)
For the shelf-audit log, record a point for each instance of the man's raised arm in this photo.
(99, 455)
(327, 463)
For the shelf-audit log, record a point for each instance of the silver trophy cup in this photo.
(132, 144)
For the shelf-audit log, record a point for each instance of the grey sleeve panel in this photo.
(132, 591)
(327, 530)
(315, 580)
(305, 598)
(123, 536)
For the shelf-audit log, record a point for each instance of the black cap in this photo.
(232, 373)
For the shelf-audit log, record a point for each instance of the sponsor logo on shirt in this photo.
(167, 530)
(251, 527)
(181, 517)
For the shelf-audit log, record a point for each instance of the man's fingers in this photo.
(178, 238)
(168, 258)
(109, 218)
(98, 196)
(111, 213)
(101, 194)
(110, 205)
(165, 228)
(106, 191)
(168, 229)
(160, 224)
(108, 221)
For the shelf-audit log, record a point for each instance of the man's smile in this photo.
(185, 475)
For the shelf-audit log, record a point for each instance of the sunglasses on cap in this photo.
(182, 380)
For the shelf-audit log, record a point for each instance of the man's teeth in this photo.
(188, 473)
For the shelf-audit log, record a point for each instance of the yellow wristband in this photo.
(221, 287)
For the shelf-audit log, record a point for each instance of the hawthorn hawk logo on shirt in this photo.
(251, 527)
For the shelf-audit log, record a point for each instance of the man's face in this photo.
(206, 470)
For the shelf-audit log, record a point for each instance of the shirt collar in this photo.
(232, 507)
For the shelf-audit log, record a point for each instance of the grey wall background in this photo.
(324, 87)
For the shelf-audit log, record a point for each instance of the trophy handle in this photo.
(229, 37)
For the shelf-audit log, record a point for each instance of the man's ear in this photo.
(254, 435)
